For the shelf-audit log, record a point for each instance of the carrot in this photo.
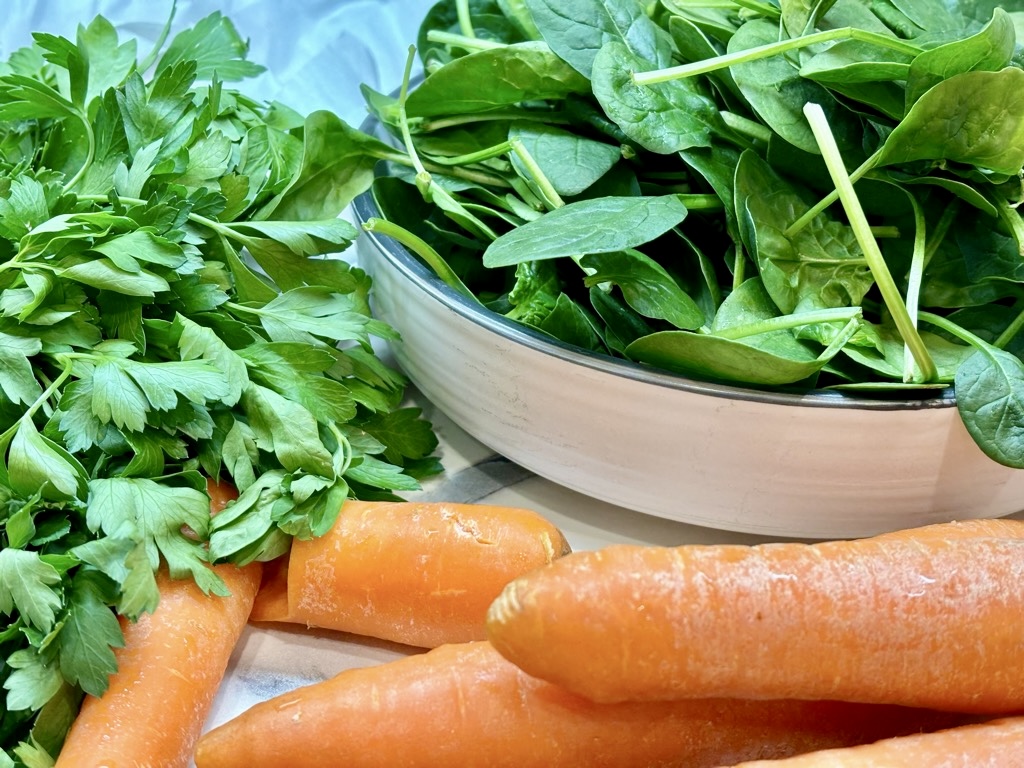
(995, 744)
(168, 672)
(464, 705)
(422, 574)
(928, 618)
(271, 602)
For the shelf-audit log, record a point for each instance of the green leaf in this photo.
(199, 381)
(249, 520)
(572, 163)
(970, 118)
(105, 274)
(127, 250)
(89, 630)
(162, 112)
(513, 73)
(126, 563)
(577, 37)
(404, 432)
(990, 398)
(380, 474)
(197, 341)
(337, 165)
(117, 398)
(155, 514)
(777, 93)
(991, 49)
(305, 238)
(602, 225)
(38, 464)
(108, 60)
(34, 681)
(214, 46)
(17, 378)
(664, 117)
(646, 285)
(26, 584)
(286, 429)
(318, 311)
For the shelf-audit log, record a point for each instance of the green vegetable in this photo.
(170, 311)
(790, 195)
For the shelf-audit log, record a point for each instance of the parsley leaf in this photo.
(172, 309)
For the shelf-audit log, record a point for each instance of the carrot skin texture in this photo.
(421, 574)
(995, 744)
(168, 672)
(464, 705)
(927, 619)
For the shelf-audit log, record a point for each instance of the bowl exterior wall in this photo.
(730, 463)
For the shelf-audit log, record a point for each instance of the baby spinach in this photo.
(799, 194)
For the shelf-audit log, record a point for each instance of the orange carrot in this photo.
(928, 618)
(271, 602)
(421, 574)
(996, 744)
(464, 705)
(168, 672)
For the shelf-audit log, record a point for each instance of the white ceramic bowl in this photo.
(820, 465)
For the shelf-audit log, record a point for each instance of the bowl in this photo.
(824, 464)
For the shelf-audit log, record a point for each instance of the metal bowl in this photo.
(817, 465)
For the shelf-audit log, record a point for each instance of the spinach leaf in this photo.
(601, 225)
(663, 118)
(990, 399)
(513, 74)
(577, 30)
(986, 130)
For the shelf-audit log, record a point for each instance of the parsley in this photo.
(169, 312)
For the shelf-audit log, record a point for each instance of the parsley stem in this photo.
(48, 392)
(90, 136)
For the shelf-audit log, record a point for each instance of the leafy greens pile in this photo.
(782, 194)
(168, 314)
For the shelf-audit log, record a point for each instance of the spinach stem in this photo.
(915, 276)
(862, 231)
(529, 115)
(1011, 217)
(421, 248)
(810, 214)
(547, 189)
(773, 49)
(785, 322)
(1011, 331)
(476, 157)
(746, 127)
(465, 18)
(467, 42)
(953, 329)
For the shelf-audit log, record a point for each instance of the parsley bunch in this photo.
(168, 315)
